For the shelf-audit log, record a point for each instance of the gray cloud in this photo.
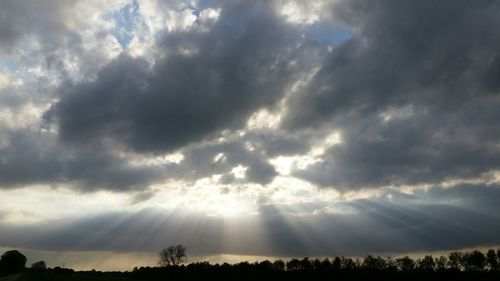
(413, 91)
(182, 99)
(28, 158)
(240, 65)
(274, 142)
(412, 150)
(209, 159)
(18, 19)
(252, 150)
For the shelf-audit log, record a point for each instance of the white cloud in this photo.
(239, 171)
(302, 12)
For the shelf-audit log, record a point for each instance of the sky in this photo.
(247, 129)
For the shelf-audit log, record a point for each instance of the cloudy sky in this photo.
(247, 128)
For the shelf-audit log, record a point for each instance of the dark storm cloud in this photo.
(205, 83)
(28, 158)
(414, 93)
(393, 223)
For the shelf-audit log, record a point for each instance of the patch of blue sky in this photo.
(327, 32)
(20, 68)
(9, 65)
(125, 20)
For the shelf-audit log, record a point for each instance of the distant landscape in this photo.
(173, 266)
(249, 140)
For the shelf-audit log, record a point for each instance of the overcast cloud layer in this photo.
(322, 116)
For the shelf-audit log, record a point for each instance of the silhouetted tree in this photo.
(316, 265)
(441, 263)
(492, 259)
(293, 265)
(39, 265)
(265, 266)
(279, 265)
(426, 264)
(391, 264)
(173, 255)
(455, 260)
(474, 261)
(405, 264)
(305, 264)
(12, 261)
(347, 263)
(327, 265)
(336, 263)
(374, 263)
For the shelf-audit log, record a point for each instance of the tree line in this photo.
(456, 261)
(173, 266)
(474, 265)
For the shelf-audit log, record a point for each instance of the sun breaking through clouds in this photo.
(265, 128)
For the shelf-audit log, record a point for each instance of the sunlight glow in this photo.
(263, 119)
(397, 113)
(175, 157)
(284, 165)
(219, 157)
(330, 140)
(239, 171)
(18, 208)
(300, 12)
(7, 80)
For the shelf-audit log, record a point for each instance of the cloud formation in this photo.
(205, 83)
(17, 21)
(414, 93)
(413, 101)
(29, 158)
